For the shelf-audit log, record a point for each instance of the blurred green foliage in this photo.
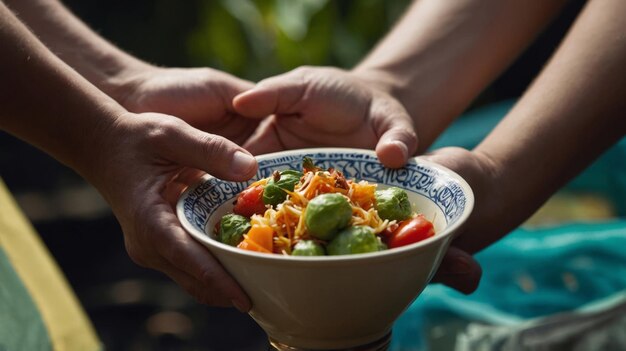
(255, 39)
(259, 38)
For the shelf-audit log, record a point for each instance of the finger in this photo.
(186, 177)
(221, 289)
(181, 251)
(235, 86)
(265, 139)
(215, 81)
(276, 95)
(459, 270)
(198, 290)
(397, 138)
(191, 285)
(211, 153)
(229, 86)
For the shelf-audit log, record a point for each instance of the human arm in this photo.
(200, 96)
(442, 54)
(138, 162)
(426, 71)
(569, 116)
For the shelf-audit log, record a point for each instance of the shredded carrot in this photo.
(362, 194)
(280, 228)
(287, 225)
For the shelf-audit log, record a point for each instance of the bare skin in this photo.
(139, 162)
(570, 115)
(436, 60)
(420, 77)
(327, 107)
(200, 96)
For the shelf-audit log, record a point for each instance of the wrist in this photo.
(99, 140)
(493, 212)
(420, 97)
(511, 190)
(121, 77)
(379, 79)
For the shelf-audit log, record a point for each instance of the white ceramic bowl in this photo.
(334, 302)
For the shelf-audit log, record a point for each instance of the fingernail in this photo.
(239, 306)
(242, 163)
(237, 98)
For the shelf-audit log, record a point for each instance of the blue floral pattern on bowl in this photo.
(422, 179)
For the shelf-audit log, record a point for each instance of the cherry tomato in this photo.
(250, 202)
(411, 231)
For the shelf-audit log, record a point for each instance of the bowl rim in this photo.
(448, 231)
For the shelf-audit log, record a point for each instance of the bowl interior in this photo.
(434, 191)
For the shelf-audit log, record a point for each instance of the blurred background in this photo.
(137, 309)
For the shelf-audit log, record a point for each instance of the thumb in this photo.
(211, 153)
(276, 95)
(397, 138)
(265, 139)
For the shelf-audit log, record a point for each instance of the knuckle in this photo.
(303, 70)
(213, 146)
(161, 130)
(209, 72)
(408, 133)
(265, 82)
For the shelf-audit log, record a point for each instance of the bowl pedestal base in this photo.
(381, 344)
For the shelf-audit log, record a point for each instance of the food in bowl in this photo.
(343, 301)
(316, 212)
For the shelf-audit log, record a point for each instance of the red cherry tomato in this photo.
(250, 202)
(411, 231)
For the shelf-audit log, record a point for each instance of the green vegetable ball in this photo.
(307, 248)
(326, 214)
(274, 192)
(393, 204)
(354, 240)
(232, 229)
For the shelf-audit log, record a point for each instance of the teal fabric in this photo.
(530, 274)
(21, 325)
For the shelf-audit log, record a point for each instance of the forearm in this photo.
(100, 62)
(571, 113)
(442, 54)
(45, 102)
